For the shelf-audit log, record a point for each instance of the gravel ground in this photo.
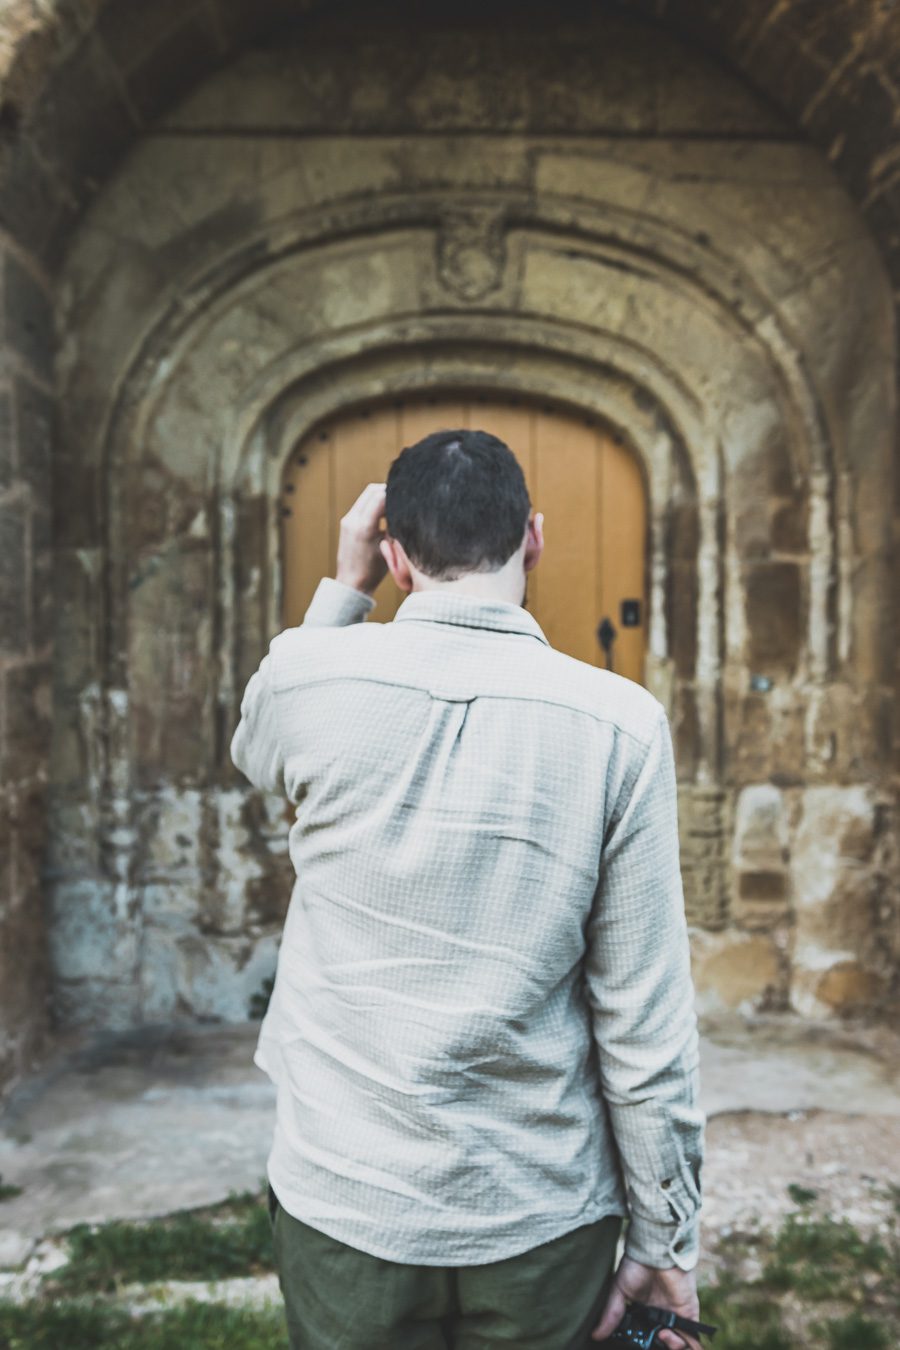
(852, 1162)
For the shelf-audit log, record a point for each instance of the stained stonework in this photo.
(846, 878)
(581, 208)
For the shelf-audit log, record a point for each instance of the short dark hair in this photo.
(457, 502)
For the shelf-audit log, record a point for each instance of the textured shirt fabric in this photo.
(482, 1029)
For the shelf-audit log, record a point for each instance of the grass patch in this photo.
(819, 1257)
(200, 1326)
(801, 1195)
(856, 1332)
(813, 1264)
(8, 1191)
(218, 1242)
(745, 1320)
(816, 1273)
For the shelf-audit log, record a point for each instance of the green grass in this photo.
(196, 1326)
(801, 1195)
(8, 1190)
(745, 1321)
(230, 1239)
(844, 1286)
(856, 1332)
(812, 1262)
(819, 1257)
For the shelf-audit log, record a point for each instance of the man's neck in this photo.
(511, 593)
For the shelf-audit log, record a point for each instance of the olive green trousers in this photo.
(338, 1298)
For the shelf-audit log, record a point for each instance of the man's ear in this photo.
(398, 564)
(534, 541)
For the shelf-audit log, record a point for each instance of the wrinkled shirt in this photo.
(482, 1028)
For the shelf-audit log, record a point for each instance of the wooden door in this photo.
(587, 484)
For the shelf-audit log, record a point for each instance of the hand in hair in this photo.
(359, 560)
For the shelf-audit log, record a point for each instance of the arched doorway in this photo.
(589, 590)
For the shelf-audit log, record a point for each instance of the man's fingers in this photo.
(612, 1315)
(677, 1340)
(363, 509)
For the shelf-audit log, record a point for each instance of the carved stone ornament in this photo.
(471, 252)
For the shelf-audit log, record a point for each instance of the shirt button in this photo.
(666, 1184)
(679, 1246)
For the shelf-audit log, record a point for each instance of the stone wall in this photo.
(26, 428)
(645, 239)
(298, 236)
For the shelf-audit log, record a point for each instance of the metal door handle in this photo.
(606, 636)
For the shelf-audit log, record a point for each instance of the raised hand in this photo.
(359, 559)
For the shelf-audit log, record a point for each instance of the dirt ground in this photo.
(852, 1162)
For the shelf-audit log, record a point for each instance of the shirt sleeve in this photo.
(255, 747)
(641, 995)
(336, 604)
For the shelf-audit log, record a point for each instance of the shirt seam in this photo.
(529, 698)
(479, 627)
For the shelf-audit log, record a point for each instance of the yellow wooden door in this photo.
(591, 575)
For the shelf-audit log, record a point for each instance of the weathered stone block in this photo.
(13, 605)
(187, 974)
(845, 987)
(866, 104)
(35, 422)
(77, 617)
(6, 842)
(766, 736)
(704, 826)
(32, 208)
(760, 828)
(765, 886)
(681, 617)
(24, 974)
(737, 970)
(790, 524)
(90, 939)
(28, 721)
(874, 634)
(131, 27)
(83, 124)
(7, 448)
(73, 836)
(42, 617)
(29, 823)
(685, 732)
(171, 676)
(237, 864)
(165, 71)
(113, 1004)
(775, 614)
(846, 729)
(837, 888)
(28, 317)
(170, 834)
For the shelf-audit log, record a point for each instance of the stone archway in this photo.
(508, 255)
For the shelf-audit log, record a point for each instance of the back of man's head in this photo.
(457, 502)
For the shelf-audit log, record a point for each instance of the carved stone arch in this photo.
(83, 82)
(439, 357)
(223, 281)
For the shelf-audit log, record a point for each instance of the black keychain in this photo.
(642, 1321)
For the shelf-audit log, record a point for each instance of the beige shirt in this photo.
(482, 1027)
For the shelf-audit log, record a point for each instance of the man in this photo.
(482, 1028)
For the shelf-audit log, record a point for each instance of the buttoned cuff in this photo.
(663, 1245)
(336, 604)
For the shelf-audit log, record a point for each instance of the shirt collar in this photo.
(469, 611)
